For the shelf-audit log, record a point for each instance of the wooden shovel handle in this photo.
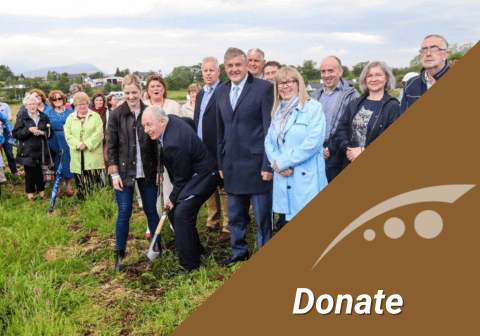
(162, 221)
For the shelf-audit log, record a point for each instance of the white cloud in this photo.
(112, 8)
(409, 50)
(145, 49)
(320, 52)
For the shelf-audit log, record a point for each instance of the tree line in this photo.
(181, 77)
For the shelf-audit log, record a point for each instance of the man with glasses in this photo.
(434, 55)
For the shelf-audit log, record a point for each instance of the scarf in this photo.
(100, 111)
(282, 115)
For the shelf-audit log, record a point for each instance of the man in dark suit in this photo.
(205, 118)
(194, 174)
(244, 106)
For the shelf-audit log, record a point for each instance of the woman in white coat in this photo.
(294, 145)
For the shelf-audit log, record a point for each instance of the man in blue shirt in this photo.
(335, 95)
(206, 125)
(5, 110)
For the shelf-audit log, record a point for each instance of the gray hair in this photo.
(210, 59)
(28, 98)
(158, 112)
(444, 41)
(256, 51)
(76, 86)
(234, 52)
(389, 86)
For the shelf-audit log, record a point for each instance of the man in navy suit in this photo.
(205, 118)
(194, 174)
(244, 106)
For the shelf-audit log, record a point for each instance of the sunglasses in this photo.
(57, 99)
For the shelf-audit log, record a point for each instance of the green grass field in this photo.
(57, 274)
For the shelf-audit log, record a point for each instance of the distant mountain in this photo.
(70, 69)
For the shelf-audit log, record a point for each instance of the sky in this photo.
(145, 35)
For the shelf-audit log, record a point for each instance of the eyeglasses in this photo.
(432, 49)
(286, 84)
(57, 99)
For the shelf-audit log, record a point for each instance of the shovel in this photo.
(151, 253)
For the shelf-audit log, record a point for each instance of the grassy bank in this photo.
(57, 273)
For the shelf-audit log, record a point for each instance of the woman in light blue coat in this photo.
(294, 146)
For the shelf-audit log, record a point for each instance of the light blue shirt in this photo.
(240, 87)
(139, 164)
(206, 98)
(36, 120)
(329, 101)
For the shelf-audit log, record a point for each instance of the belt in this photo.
(59, 131)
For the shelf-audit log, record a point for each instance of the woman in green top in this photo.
(84, 135)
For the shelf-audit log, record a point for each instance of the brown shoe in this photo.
(225, 236)
(207, 229)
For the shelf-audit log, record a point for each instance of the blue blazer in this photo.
(302, 149)
(241, 134)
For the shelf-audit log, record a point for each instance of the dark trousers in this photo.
(281, 222)
(9, 153)
(239, 218)
(184, 220)
(332, 172)
(34, 179)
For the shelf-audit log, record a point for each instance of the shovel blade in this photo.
(151, 253)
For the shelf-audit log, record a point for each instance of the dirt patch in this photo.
(67, 252)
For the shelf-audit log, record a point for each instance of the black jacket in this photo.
(378, 123)
(122, 149)
(191, 168)
(209, 122)
(29, 151)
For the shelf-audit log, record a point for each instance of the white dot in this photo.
(394, 228)
(428, 224)
(369, 235)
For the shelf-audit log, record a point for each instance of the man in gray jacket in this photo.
(335, 95)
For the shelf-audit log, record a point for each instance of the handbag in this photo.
(47, 170)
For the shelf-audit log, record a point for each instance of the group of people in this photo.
(258, 142)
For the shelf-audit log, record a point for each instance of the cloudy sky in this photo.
(162, 34)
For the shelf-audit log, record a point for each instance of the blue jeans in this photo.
(238, 219)
(9, 153)
(125, 203)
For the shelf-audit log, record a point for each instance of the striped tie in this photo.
(235, 97)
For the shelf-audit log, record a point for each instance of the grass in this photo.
(179, 96)
(57, 274)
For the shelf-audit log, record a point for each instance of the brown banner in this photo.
(416, 192)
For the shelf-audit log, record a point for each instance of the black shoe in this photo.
(181, 271)
(201, 250)
(233, 259)
(119, 256)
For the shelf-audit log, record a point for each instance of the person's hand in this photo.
(11, 135)
(286, 172)
(326, 153)
(33, 130)
(221, 173)
(117, 183)
(352, 153)
(275, 167)
(266, 176)
(169, 205)
(82, 147)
